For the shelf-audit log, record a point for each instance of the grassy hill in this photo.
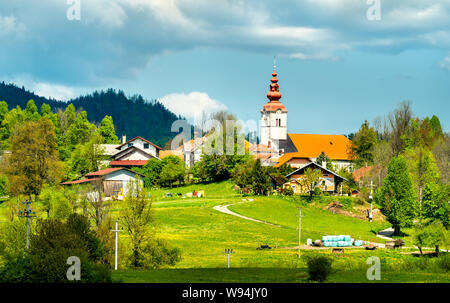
(202, 233)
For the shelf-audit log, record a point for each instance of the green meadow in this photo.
(203, 233)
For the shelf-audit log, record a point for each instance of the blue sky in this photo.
(336, 67)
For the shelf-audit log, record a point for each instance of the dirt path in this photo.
(386, 234)
(224, 209)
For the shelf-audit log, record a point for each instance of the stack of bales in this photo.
(337, 241)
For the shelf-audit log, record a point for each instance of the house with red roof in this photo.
(112, 180)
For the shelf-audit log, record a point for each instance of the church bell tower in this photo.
(273, 126)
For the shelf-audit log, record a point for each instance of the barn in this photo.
(113, 180)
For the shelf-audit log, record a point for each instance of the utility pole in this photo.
(228, 252)
(27, 213)
(299, 231)
(116, 231)
(371, 199)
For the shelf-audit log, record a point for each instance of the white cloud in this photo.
(9, 25)
(445, 63)
(44, 89)
(191, 105)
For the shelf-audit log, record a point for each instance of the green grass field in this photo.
(202, 233)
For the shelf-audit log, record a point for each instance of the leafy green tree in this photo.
(11, 121)
(31, 111)
(86, 157)
(151, 170)
(107, 131)
(330, 165)
(397, 196)
(422, 168)
(173, 170)
(54, 202)
(435, 204)
(436, 126)
(80, 130)
(310, 180)
(34, 159)
(433, 234)
(363, 143)
(260, 179)
(138, 221)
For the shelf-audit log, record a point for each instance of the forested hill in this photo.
(133, 116)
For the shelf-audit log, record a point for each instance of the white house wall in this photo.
(139, 143)
(125, 176)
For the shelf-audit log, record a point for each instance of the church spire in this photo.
(274, 94)
(274, 89)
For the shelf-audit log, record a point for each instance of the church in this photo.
(296, 150)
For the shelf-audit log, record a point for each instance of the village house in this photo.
(329, 181)
(133, 153)
(113, 180)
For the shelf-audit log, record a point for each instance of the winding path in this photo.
(224, 209)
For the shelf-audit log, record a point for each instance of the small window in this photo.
(146, 145)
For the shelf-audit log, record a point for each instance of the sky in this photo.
(339, 62)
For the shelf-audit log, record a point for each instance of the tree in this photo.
(80, 130)
(433, 234)
(151, 170)
(324, 158)
(382, 153)
(441, 152)
(399, 122)
(31, 111)
(55, 203)
(396, 195)
(136, 217)
(107, 131)
(34, 159)
(86, 157)
(435, 204)
(310, 180)
(50, 247)
(260, 179)
(363, 143)
(422, 168)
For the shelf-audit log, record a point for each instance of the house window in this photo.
(146, 145)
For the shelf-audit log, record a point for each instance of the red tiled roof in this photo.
(128, 162)
(80, 181)
(103, 171)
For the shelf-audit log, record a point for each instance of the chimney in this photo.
(324, 164)
(124, 139)
(268, 144)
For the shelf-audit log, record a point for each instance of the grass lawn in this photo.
(202, 233)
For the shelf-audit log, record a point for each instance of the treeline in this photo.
(47, 148)
(409, 157)
(133, 116)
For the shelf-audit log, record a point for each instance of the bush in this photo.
(53, 243)
(443, 262)
(288, 191)
(317, 191)
(319, 267)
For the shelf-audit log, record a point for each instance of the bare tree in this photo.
(399, 122)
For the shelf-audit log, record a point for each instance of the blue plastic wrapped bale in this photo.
(341, 238)
(325, 238)
(358, 243)
(347, 238)
(349, 243)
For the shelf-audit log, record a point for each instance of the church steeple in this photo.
(273, 115)
(274, 94)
